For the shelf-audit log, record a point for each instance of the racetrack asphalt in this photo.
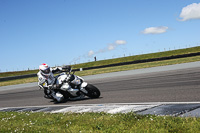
(166, 84)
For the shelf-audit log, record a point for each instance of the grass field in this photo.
(117, 60)
(95, 122)
(112, 69)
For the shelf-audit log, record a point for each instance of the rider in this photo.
(45, 74)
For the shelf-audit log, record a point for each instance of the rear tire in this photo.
(93, 92)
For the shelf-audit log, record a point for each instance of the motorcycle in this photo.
(70, 87)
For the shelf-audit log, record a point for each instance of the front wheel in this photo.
(93, 92)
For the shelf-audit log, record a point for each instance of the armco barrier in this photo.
(110, 65)
(17, 77)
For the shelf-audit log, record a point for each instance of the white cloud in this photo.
(191, 11)
(120, 42)
(111, 46)
(155, 30)
(90, 53)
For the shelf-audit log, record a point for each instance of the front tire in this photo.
(93, 92)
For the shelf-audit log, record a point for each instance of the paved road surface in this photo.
(174, 83)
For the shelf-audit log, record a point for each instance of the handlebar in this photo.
(69, 72)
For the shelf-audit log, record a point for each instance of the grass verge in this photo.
(94, 122)
(113, 69)
(116, 60)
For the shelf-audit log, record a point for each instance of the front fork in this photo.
(83, 85)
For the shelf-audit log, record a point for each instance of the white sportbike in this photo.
(70, 87)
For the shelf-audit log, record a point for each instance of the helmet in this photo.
(66, 68)
(44, 69)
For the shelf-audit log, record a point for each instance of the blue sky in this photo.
(60, 32)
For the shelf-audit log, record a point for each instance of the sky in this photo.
(67, 32)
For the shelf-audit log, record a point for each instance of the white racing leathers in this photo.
(47, 83)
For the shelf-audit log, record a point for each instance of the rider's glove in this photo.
(41, 87)
(50, 86)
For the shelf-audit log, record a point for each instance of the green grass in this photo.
(112, 69)
(17, 73)
(138, 66)
(117, 60)
(139, 57)
(95, 122)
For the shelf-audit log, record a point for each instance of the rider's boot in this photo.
(47, 94)
(57, 96)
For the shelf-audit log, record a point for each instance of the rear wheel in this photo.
(93, 92)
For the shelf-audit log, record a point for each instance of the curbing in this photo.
(187, 109)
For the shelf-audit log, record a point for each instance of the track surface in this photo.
(179, 85)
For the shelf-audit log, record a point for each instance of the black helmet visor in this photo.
(46, 71)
